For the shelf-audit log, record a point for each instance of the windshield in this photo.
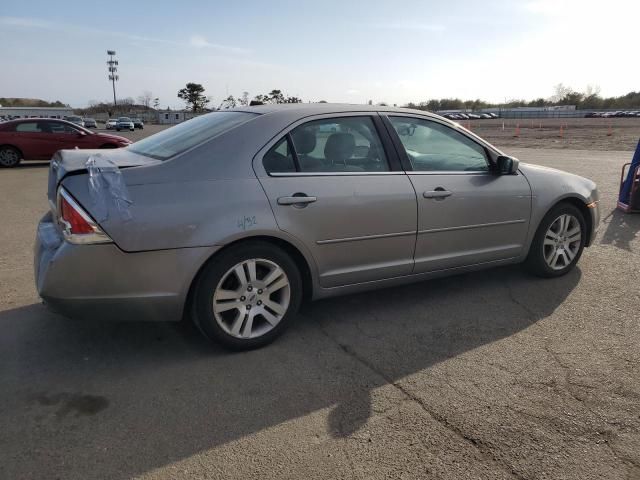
(124, 119)
(74, 119)
(175, 140)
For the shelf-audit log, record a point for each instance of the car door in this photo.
(30, 138)
(467, 214)
(65, 136)
(334, 185)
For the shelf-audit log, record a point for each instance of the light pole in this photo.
(113, 68)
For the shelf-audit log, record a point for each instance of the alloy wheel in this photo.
(562, 242)
(8, 157)
(251, 298)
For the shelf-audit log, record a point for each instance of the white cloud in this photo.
(199, 41)
(353, 91)
(26, 22)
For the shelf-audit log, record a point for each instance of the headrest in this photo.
(304, 141)
(339, 147)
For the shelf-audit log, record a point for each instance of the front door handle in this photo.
(437, 193)
(296, 199)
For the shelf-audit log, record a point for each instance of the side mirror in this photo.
(81, 134)
(506, 165)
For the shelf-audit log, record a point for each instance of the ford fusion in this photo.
(233, 218)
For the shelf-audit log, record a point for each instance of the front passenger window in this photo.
(432, 147)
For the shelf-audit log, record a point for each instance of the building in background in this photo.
(35, 112)
(171, 117)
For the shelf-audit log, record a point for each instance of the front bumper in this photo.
(102, 282)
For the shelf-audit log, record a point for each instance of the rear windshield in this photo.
(175, 140)
(124, 119)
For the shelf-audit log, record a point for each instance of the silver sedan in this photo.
(233, 218)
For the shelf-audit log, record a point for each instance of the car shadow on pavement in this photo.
(82, 399)
(622, 229)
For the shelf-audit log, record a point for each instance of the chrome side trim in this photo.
(452, 172)
(365, 237)
(333, 174)
(465, 227)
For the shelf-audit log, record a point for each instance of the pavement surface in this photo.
(490, 375)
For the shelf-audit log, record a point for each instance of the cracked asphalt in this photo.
(490, 375)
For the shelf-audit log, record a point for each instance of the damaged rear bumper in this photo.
(102, 282)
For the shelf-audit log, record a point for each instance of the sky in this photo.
(333, 50)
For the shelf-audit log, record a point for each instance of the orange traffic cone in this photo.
(517, 134)
(609, 131)
(561, 132)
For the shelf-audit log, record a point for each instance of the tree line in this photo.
(193, 94)
(30, 102)
(589, 99)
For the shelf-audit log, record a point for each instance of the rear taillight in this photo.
(77, 225)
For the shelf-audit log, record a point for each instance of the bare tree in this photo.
(229, 102)
(560, 92)
(244, 99)
(145, 99)
(156, 103)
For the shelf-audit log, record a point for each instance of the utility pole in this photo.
(113, 68)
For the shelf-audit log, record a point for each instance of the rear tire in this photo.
(247, 296)
(558, 242)
(9, 156)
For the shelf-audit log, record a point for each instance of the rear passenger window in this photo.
(28, 127)
(344, 144)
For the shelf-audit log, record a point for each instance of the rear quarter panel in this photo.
(183, 214)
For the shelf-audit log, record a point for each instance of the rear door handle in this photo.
(437, 194)
(296, 200)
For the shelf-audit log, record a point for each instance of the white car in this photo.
(111, 124)
(124, 123)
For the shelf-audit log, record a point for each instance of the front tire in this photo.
(9, 156)
(248, 296)
(558, 243)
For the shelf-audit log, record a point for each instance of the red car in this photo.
(40, 138)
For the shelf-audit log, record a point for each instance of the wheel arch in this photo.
(301, 261)
(577, 202)
(14, 147)
(582, 206)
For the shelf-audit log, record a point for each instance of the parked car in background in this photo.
(89, 123)
(238, 215)
(137, 123)
(39, 139)
(111, 124)
(75, 119)
(124, 123)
